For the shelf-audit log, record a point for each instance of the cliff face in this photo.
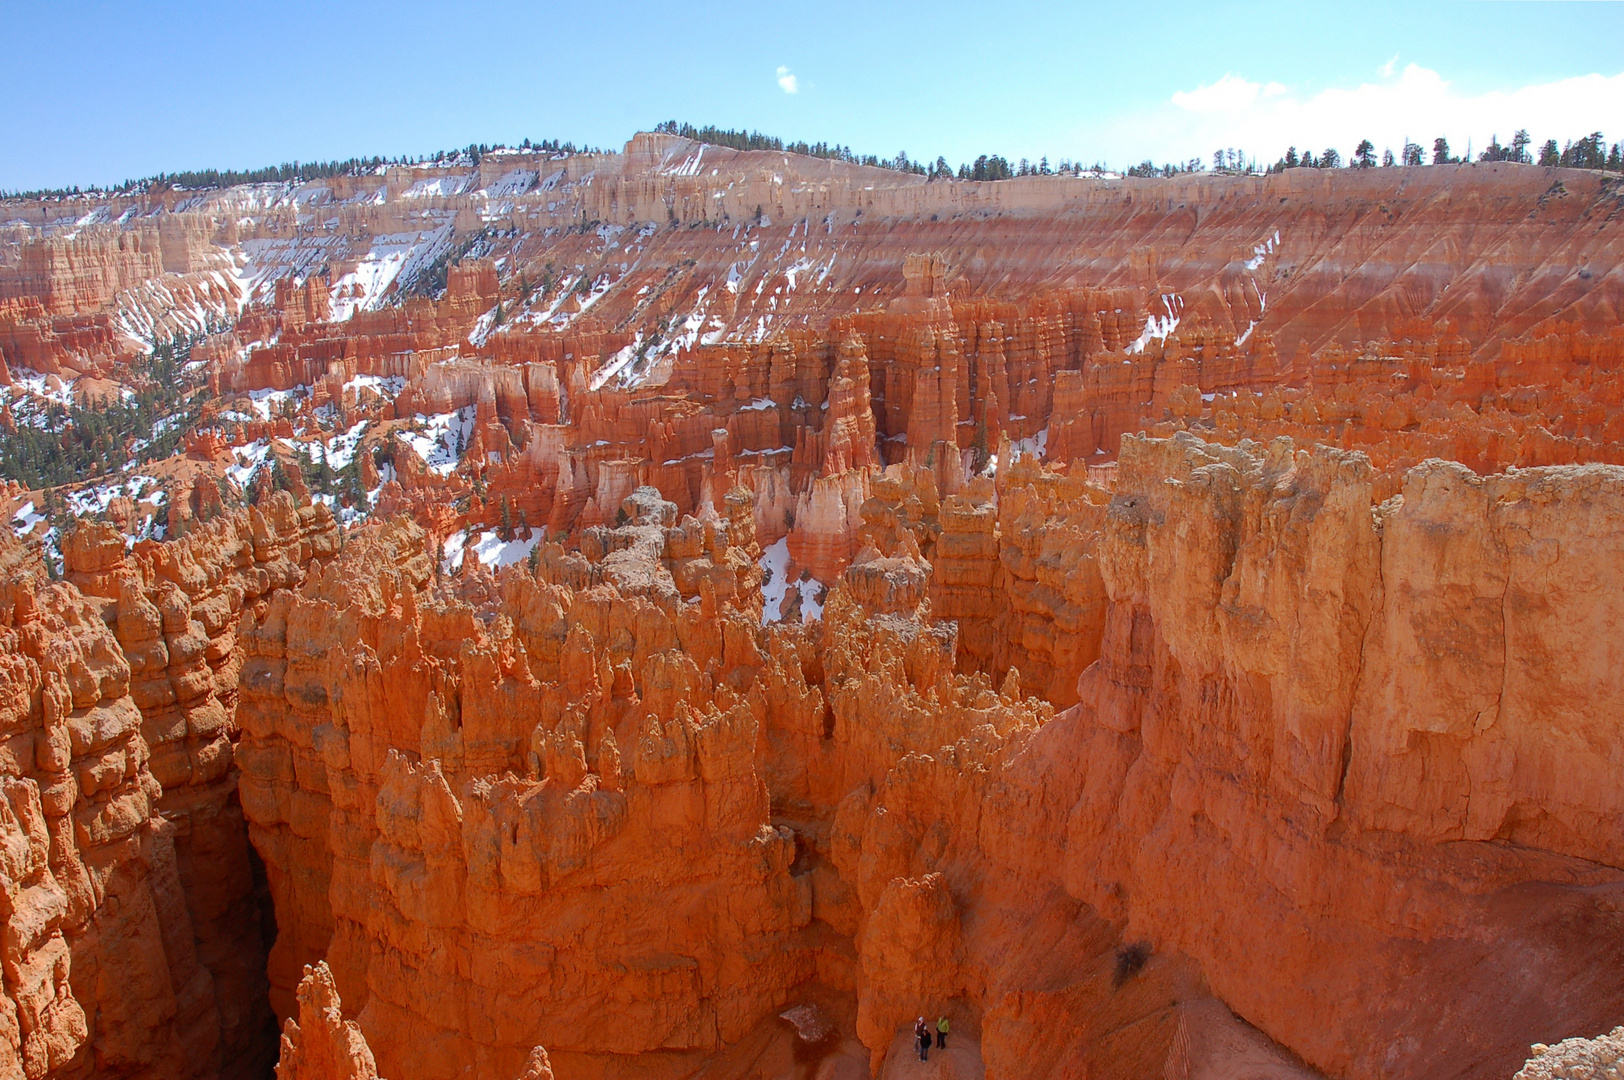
(757, 243)
(73, 275)
(1259, 782)
(713, 618)
(102, 974)
(132, 904)
(1251, 697)
(509, 766)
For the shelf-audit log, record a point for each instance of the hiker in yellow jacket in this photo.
(941, 1033)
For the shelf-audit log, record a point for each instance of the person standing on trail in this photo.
(922, 1037)
(941, 1033)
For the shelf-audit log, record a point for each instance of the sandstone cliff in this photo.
(1230, 789)
(699, 640)
(102, 974)
(137, 912)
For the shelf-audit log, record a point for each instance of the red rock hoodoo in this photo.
(610, 619)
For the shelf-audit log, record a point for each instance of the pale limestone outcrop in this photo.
(1601, 1058)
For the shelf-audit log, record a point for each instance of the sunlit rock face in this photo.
(695, 612)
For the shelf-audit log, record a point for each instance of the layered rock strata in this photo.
(1270, 742)
(102, 975)
(1249, 802)
(144, 917)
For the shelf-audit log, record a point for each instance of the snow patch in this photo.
(689, 166)
(440, 186)
(1262, 251)
(340, 449)
(1031, 446)
(92, 501)
(776, 560)
(496, 553)
(251, 458)
(24, 520)
(488, 547)
(436, 444)
(386, 386)
(1160, 326)
(265, 401)
(616, 364)
(512, 182)
(392, 257)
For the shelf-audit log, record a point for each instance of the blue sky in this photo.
(96, 93)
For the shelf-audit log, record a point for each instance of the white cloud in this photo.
(1262, 119)
(788, 82)
(1230, 94)
(1387, 69)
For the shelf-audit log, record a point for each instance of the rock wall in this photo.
(1250, 752)
(322, 1045)
(102, 976)
(515, 767)
(1266, 743)
(137, 920)
(79, 274)
(1257, 798)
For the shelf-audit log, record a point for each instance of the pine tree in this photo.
(1364, 155)
(979, 455)
(1548, 154)
(1589, 152)
(1440, 151)
(350, 481)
